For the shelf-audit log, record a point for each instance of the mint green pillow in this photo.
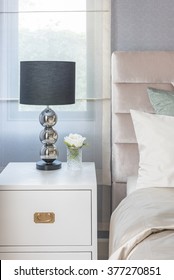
(162, 101)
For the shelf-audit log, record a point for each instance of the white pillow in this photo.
(155, 137)
(131, 184)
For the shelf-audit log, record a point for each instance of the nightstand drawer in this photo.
(46, 256)
(61, 218)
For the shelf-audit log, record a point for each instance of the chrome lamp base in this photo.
(48, 137)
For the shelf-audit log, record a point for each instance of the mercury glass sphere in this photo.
(48, 117)
(48, 153)
(48, 136)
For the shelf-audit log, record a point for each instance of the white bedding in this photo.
(145, 229)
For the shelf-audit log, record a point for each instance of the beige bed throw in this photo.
(142, 226)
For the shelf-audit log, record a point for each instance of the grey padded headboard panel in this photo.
(132, 73)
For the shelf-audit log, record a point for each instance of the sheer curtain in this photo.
(76, 30)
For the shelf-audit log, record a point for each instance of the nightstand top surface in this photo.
(24, 175)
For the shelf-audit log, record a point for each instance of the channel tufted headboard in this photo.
(132, 73)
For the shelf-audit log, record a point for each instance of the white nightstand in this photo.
(48, 214)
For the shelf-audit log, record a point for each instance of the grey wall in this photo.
(142, 25)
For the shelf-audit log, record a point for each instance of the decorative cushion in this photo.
(155, 137)
(162, 101)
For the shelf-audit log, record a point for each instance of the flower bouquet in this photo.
(74, 143)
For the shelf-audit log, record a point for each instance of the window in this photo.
(55, 30)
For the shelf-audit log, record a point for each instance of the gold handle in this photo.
(44, 217)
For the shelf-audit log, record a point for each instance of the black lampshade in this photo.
(47, 82)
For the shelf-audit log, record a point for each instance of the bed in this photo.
(142, 222)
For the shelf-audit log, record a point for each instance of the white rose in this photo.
(74, 140)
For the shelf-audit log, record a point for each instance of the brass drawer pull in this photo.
(44, 217)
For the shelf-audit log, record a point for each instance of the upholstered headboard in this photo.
(132, 73)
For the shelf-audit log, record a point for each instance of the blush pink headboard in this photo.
(132, 73)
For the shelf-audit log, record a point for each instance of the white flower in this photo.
(74, 140)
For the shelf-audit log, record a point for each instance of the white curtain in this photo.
(77, 30)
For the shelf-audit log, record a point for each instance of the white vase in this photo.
(74, 158)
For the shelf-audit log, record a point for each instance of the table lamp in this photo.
(47, 83)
